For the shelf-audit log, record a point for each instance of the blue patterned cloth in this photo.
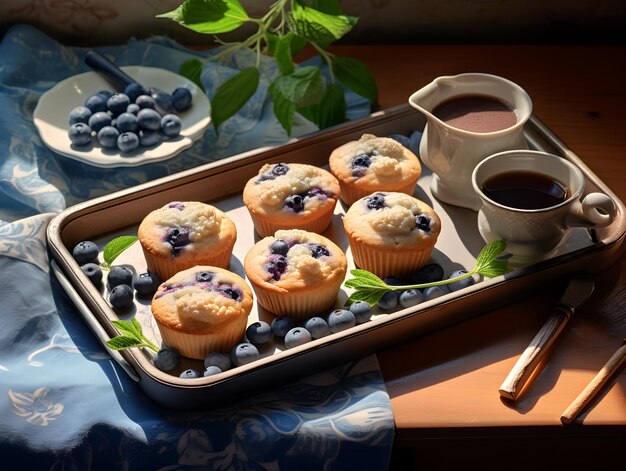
(64, 403)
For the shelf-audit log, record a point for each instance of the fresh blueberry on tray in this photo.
(410, 297)
(166, 359)
(146, 283)
(211, 371)
(85, 251)
(243, 353)
(340, 319)
(464, 283)
(362, 311)
(190, 373)
(259, 332)
(297, 336)
(281, 325)
(93, 272)
(317, 326)
(221, 360)
(427, 274)
(119, 275)
(433, 292)
(121, 296)
(389, 301)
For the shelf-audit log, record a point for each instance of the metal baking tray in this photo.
(220, 184)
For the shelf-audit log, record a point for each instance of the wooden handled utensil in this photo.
(608, 370)
(578, 290)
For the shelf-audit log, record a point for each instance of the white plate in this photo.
(52, 110)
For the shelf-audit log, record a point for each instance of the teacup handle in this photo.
(595, 210)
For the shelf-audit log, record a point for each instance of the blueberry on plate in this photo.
(259, 332)
(85, 251)
(146, 283)
(149, 119)
(460, 284)
(133, 91)
(128, 141)
(149, 138)
(79, 134)
(211, 371)
(340, 319)
(410, 297)
(190, 373)
(243, 353)
(389, 301)
(119, 275)
(99, 120)
(166, 359)
(181, 99)
(171, 125)
(79, 114)
(127, 122)
(221, 360)
(117, 103)
(107, 137)
(121, 297)
(281, 325)
(93, 272)
(317, 327)
(96, 102)
(297, 336)
(362, 311)
(145, 101)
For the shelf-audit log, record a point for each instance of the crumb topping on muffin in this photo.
(202, 220)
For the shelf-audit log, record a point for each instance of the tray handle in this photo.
(91, 320)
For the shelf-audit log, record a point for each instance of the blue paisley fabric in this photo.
(64, 403)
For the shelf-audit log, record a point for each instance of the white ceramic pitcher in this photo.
(452, 153)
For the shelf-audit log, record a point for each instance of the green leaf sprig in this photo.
(131, 335)
(281, 33)
(115, 247)
(370, 288)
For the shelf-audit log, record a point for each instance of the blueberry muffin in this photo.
(202, 309)
(391, 233)
(295, 273)
(181, 235)
(291, 196)
(374, 164)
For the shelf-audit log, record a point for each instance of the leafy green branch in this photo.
(370, 288)
(114, 248)
(131, 335)
(287, 27)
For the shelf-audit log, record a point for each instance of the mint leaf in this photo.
(122, 342)
(209, 16)
(130, 328)
(282, 54)
(330, 111)
(131, 336)
(331, 7)
(233, 94)
(317, 26)
(116, 247)
(192, 69)
(305, 87)
(371, 296)
(284, 108)
(487, 263)
(364, 278)
(355, 75)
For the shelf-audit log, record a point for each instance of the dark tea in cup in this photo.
(525, 189)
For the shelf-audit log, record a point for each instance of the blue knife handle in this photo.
(100, 63)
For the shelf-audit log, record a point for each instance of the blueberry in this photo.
(464, 283)
(375, 201)
(259, 332)
(117, 103)
(133, 108)
(149, 138)
(133, 91)
(178, 238)
(276, 266)
(145, 102)
(107, 137)
(316, 193)
(318, 250)
(99, 120)
(211, 371)
(389, 301)
(281, 325)
(340, 319)
(171, 125)
(410, 297)
(96, 103)
(279, 247)
(146, 283)
(176, 205)
(85, 251)
(317, 326)
(414, 142)
(392, 281)
(221, 360)
(121, 296)
(128, 141)
(149, 119)
(93, 272)
(360, 164)
(79, 134)
(297, 336)
(402, 139)
(204, 276)
(280, 169)
(295, 203)
(126, 122)
(362, 311)
(230, 291)
(434, 292)
(181, 99)
(423, 222)
(106, 94)
(427, 274)
(243, 353)
(190, 373)
(80, 114)
(119, 275)
(166, 359)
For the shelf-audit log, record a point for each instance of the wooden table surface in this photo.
(444, 386)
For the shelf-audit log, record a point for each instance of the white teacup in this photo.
(535, 231)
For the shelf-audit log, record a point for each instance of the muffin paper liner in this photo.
(166, 268)
(298, 306)
(266, 227)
